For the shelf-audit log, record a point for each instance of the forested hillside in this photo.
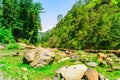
(92, 24)
(19, 20)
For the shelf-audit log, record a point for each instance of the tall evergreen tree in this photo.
(30, 15)
(22, 17)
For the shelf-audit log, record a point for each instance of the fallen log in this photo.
(64, 49)
(117, 52)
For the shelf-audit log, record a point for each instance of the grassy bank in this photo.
(14, 68)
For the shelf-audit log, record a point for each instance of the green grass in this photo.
(13, 46)
(110, 75)
(13, 67)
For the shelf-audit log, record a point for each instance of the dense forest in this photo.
(19, 21)
(92, 24)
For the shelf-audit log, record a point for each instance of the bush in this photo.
(6, 36)
(12, 46)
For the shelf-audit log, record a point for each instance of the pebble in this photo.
(117, 79)
(1, 65)
(92, 64)
(55, 78)
(24, 69)
(101, 77)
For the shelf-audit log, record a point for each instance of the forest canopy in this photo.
(19, 20)
(92, 24)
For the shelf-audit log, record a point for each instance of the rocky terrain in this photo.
(31, 63)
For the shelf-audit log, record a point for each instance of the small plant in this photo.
(13, 46)
(6, 36)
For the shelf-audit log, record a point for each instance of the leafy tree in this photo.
(22, 18)
(90, 24)
(31, 20)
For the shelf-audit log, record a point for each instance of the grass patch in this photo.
(13, 46)
(14, 67)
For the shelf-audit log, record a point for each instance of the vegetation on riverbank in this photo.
(91, 25)
(14, 68)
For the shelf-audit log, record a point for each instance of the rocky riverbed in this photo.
(54, 64)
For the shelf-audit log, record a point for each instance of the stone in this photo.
(117, 60)
(1, 76)
(110, 55)
(108, 59)
(1, 65)
(2, 47)
(110, 70)
(16, 54)
(24, 69)
(117, 79)
(67, 52)
(55, 78)
(38, 57)
(115, 68)
(74, 72)
(107, 79)
(47, 78)
(84, 60)
(63, 59)
(92, 64)
(91, 74)
(75, 58)
(102, 56)
(109, 63)
(101, 77)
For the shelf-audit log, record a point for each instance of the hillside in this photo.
(91, 25)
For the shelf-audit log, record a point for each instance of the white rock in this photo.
(117, 79)
(39, 57)
(2, 47)
(74, 72)
(24, 69)
(64, 59)
(92, 64)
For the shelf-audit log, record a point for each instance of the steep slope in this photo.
(94, 25)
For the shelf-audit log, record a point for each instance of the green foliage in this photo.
(13, 46)
(6, 36)
(94, 25)
(22, 18)
(13, 65)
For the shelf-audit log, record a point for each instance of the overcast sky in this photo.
(52, 8)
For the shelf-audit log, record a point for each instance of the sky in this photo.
(52, 8)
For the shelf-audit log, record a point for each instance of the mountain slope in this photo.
(94, 25)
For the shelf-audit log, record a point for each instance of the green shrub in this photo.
(6, 36)
(13, 46)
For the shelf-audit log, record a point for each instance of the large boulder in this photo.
(91, 74)
(38, 57)
(74, 72)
